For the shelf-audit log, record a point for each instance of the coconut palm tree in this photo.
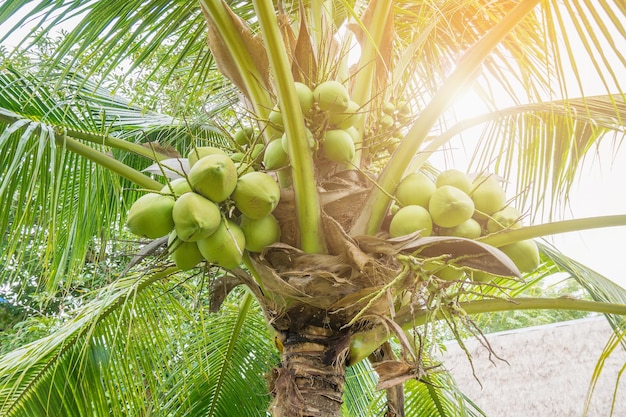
(338, 306)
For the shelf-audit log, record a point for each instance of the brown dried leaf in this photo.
(392, 373)
(465, 252)
(223, 57)
(304, 63)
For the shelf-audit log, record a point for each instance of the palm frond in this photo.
(138, 348)
(59, 203)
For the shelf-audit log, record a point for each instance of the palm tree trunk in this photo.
(310, 379)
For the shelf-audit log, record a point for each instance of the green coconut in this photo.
(244, 135)
(347, 118)
(305, 97)
(507, 218)
(488, 195)
(338, 146)
(195, 217)
(185, 255)
(276, 118)
(469, 229)
(309, 138)
(151, 216)
(444, 271)
(524, 254)
(275, 156)
(449, 206)
(389, 108)
(260, 233)
(455, 178)
(179, 186)
(415, 189)
(256, 194)
(331, 96)
(200, 152)
(225, 247)
(214, 177)
(387, 121)
(410, 219)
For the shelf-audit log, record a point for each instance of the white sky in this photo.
(600, 190)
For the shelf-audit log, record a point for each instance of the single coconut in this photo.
(309, 138)
(305, 97)
(225, 247)
(469, 229)
(177, 187)
(244, 135)
(276, 118)
(151, 216)
(275, 156)
(200, 152)
(256, 194)
(347, 118)
(455, 178)
(524, 254)
(214, 176)
(415, 189)
(449, 206)
(444, 271)
(389, 108)
(195, 217)
(410, 219)
(488, 195)
(338, 146)
(507, 218)
(260, 233)
(331, 96)
(185, 255)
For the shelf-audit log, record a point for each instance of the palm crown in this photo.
(318, 119)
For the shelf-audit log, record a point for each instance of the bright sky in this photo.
(600, 190)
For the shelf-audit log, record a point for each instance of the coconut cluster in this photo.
(215, 213)
(329, 116)
(455, 205)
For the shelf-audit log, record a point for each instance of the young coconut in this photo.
(524, 254)
(469, 229)
(195, 217)
(200, 152)
(275, 156)
(185, 255)
(256, 194)
(507, 218)
(444, 271)
(214, 177)
(260, 233)
(331, 96)
(415, 189)
(488, 195)
(151, 216)
(305, 97)
(410, 219)
(347, 118)
(455, 178)
(449, 206)
(179, 186)
(338, 146)
(244, 135)
(225, 247)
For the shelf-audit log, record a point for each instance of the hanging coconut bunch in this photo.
(214, 214)
(455, 205)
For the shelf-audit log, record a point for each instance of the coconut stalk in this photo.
(371, 217)
(302, 168)
(108, 162)
(364, 343)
